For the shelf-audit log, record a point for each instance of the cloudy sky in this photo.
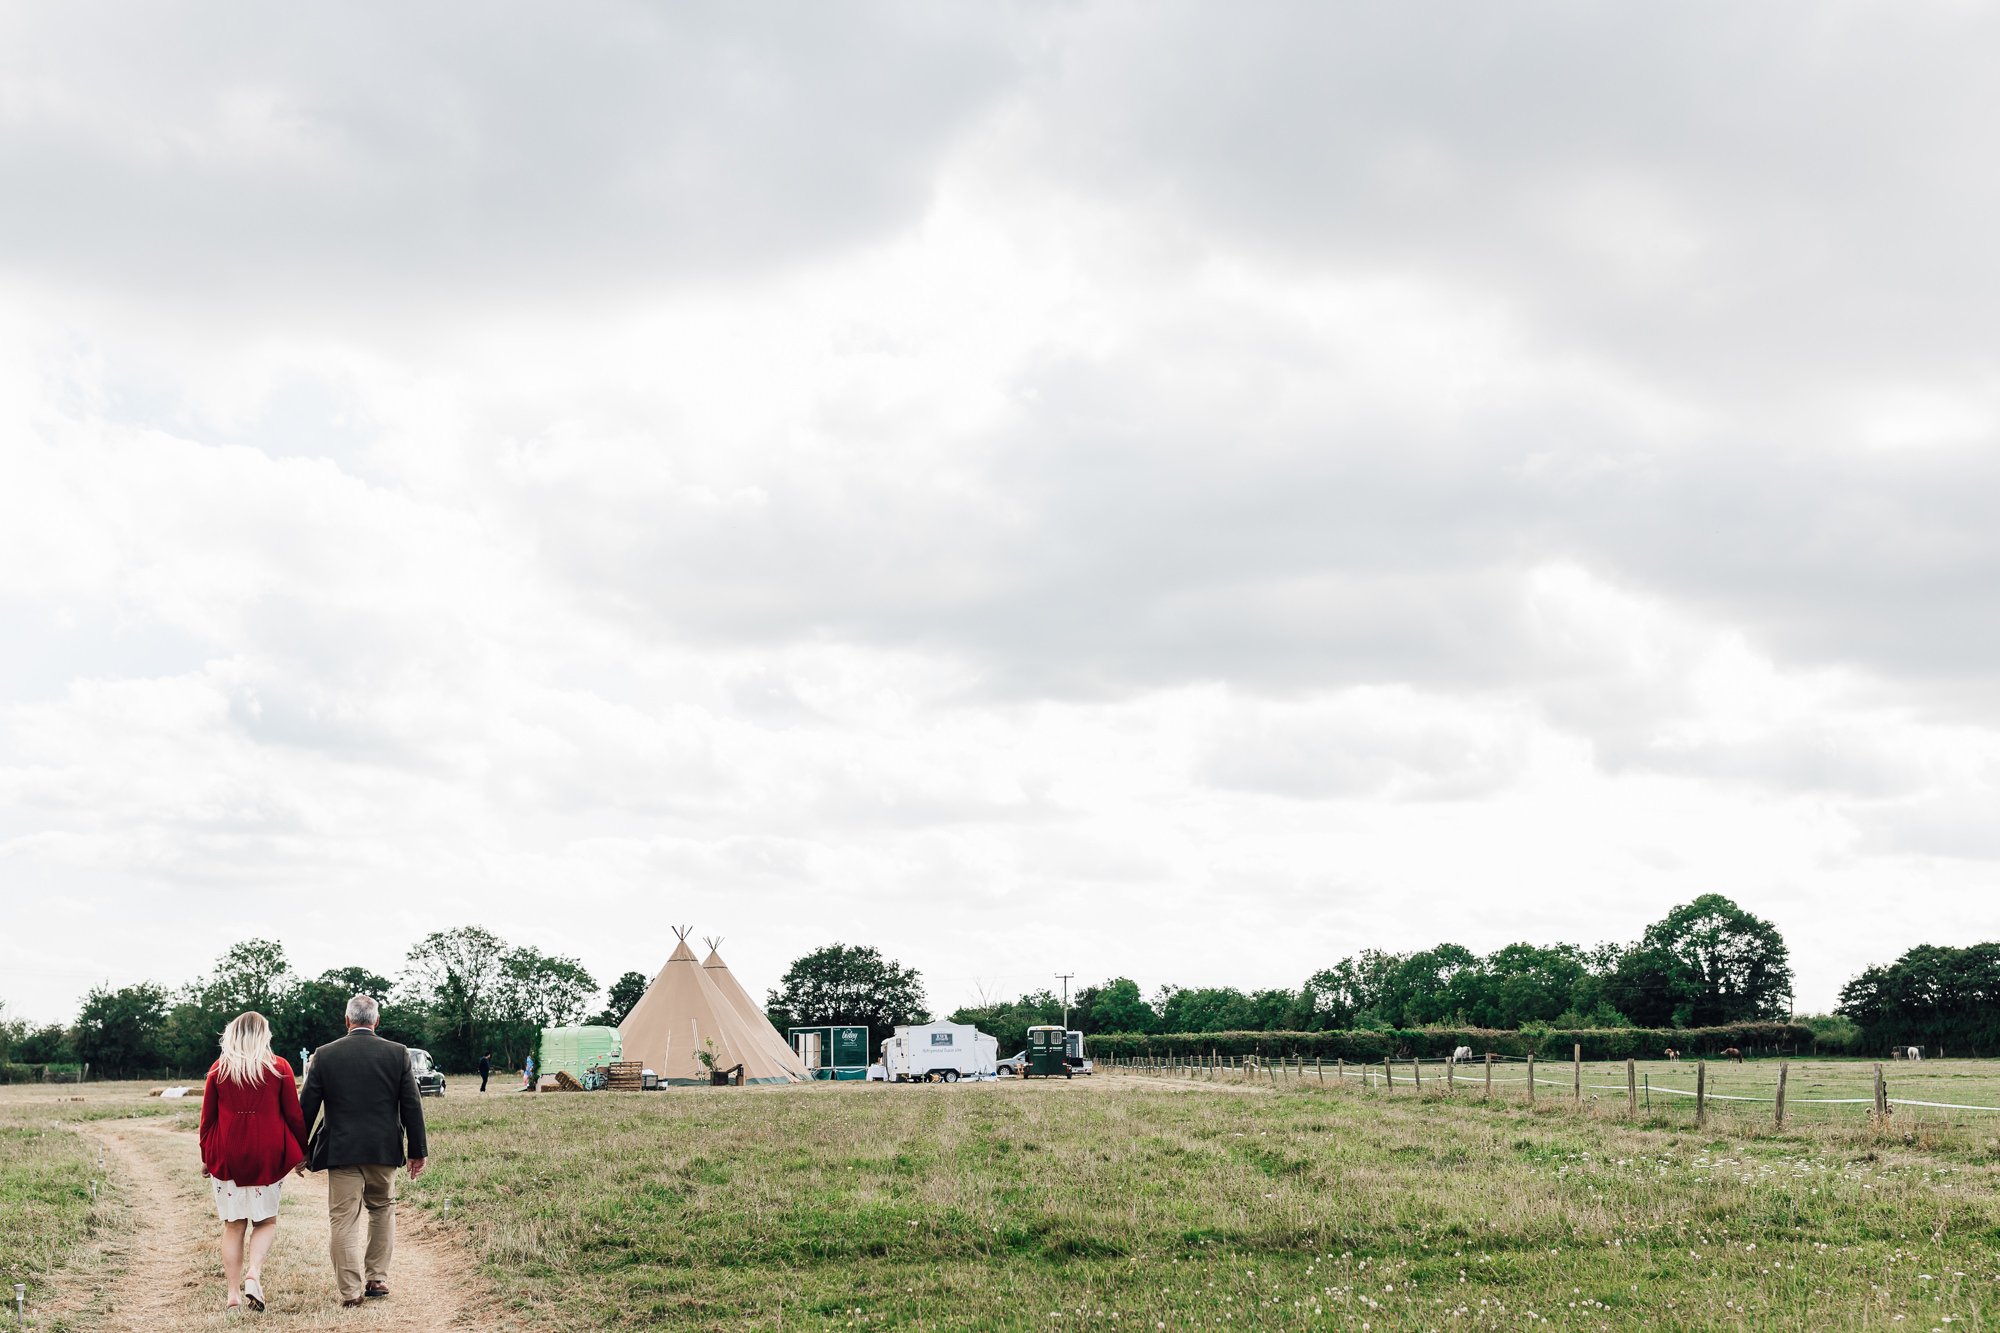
(1183, 491)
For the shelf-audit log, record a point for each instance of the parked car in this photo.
(1013, 1064)
(430, 1080)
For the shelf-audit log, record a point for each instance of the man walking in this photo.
(485, 1069)
(368, 1092)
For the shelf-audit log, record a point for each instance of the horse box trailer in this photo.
(950, 1051)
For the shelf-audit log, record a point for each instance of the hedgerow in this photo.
(1597, 1043)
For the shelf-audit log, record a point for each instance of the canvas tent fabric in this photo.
(682, 1014)
(575, 1049)
(753, 1019)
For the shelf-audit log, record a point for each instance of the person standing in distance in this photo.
(485, 1069)
(365, 1087)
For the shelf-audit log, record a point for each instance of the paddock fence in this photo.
(1523, 1079)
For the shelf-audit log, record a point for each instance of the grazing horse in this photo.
(1672, 1054)
(1732, 1053)
(1460, 1054)
(1913, 1052)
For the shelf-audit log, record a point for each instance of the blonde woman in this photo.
(251, 1132)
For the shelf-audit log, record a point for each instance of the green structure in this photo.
(832, 1052)
(1047, 1047)
(577, 1049)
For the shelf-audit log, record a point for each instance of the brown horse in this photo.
(1672, 1054)
(1732, 1053)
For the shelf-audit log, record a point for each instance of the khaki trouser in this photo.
(350, 1189)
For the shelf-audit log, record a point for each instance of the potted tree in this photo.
(717, 1078)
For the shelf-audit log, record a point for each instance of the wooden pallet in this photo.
(625, 1076)
(564, 1083)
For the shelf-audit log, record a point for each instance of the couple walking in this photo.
(255, 1126)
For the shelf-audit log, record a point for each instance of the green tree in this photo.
(312, 1012)
(455, 977)
(358, 981)
(543, 989)
(251, 975)
(849, 985)
(623, 997)
(1340, 995)
(1008, 1021)
(1932, 996)
(46, 1045)
(1205, 1009)
(1735, 967)
(1276, 1010)
(1528, 983)
(1115, 1006)
(118, 1032)
(1652, 987)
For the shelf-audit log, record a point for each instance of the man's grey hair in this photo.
(363, 1012)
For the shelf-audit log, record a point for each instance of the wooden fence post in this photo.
(1451, 1073)
(1489, 1076)
(1700, 1092)
(1631, 1088)
(1340, 1068)
(1576, 1073)
(1784, 1067)
(1531, 1078)
(1417, 1072)
(1388, 1074)
(1881, 1097)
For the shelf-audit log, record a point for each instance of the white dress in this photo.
(245, 1203)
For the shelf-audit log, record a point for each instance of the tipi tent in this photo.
(756, 1025)
(683, 1014)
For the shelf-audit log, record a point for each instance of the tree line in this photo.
(461, 994)
(466, 992)
(1943, 999)
(1707, 963)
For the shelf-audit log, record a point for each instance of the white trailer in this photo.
(948, 1051)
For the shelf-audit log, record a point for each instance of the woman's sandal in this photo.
(253, 1293)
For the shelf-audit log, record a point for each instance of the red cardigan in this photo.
(251, 1133)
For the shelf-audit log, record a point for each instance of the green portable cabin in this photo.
(575, 1049)
(1048, 1046)
(832, 1052)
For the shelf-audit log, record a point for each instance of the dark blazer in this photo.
(365, 1086)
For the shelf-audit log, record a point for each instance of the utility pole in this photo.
(1064, 977)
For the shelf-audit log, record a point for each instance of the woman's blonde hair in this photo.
(246, 1049)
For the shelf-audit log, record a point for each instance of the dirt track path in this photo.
(168, 1273)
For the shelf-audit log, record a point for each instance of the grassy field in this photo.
(46, 1170)
(1817, 1091)
(1135, 1202)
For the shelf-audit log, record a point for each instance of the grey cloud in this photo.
(373, 159)
(1735, 196)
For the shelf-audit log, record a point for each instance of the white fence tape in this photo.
(1475, 1070)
